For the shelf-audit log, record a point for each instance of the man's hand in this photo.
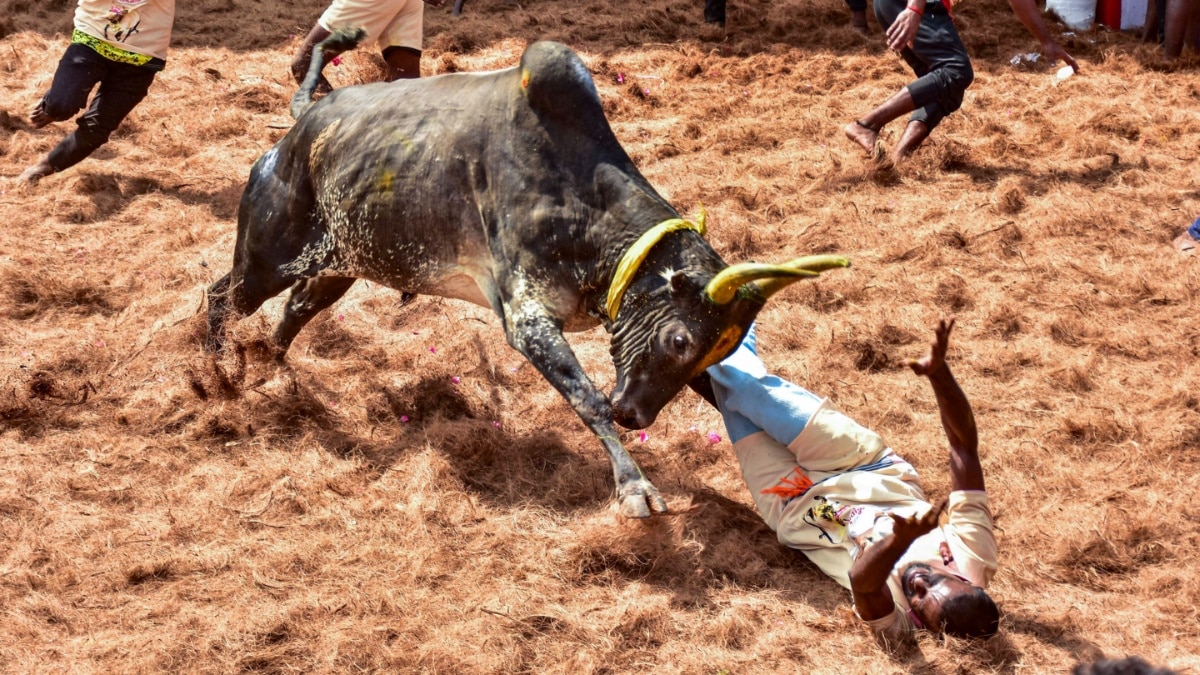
(1054, 51)
(1027, 12)
(910, 528)
(869, 573)
(936, 358)
(902, 31)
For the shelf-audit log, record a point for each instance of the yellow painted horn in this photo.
(723, 288)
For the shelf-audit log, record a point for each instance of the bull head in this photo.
(668, 327)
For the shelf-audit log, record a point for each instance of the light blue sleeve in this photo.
(752, 400)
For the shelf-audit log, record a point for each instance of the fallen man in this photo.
(509, 190)
(832, 489)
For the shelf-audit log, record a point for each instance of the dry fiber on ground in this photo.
(360, 509)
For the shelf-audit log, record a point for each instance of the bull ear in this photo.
(724, 287)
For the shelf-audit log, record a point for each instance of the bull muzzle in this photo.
(630, 417)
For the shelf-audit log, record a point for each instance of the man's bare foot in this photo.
(38, 117)
(36, 172)
(863, 135)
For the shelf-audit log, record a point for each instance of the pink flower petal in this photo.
(404, 418)
(341, 317)
(642, 436)
(433, 350)
(337, 61)
(714, 437)
(456, 379)
(496, 424)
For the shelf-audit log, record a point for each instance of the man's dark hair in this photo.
(972, 614)
(1130, 665)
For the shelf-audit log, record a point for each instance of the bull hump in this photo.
(556, 81)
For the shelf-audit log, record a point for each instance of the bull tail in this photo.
(341, 40)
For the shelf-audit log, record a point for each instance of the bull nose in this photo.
(628, 417)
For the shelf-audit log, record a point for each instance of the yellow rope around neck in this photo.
(637, 253)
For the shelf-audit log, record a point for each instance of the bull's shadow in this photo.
(507, 469)
(543, 469)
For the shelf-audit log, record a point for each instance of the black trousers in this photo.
(122, 87)
(938, 58)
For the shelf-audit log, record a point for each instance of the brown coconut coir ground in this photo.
(358, 510)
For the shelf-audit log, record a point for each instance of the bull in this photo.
(507, 189)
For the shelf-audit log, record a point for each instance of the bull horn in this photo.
(723, 287)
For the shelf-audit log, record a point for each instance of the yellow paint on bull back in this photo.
(385, 180)
(525, 79)
(404, 140)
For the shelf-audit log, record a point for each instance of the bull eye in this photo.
(680, 344)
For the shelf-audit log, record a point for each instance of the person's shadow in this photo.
(1060, 635)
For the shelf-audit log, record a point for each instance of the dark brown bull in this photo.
(507, 189)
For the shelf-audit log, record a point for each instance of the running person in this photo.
(924, 34)
(120, 45)
(397, 25)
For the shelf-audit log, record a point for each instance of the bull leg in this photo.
(540, 339)
(231, 298)
(308, 298)
(218, 313)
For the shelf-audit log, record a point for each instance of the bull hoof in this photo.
(638, 499)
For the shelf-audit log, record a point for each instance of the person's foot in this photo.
(36, 172)
(858, 21)
(38, 117)
(1185, 244)
(863, 135)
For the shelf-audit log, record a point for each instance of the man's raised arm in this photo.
(966, 473)
(1027, 12)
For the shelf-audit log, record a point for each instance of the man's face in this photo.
(927, 589)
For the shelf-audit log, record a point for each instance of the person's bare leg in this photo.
(1192, 32)
(858, 20)
(402, 64)
(1177, 16)
(865, 131)
(36, 172)
(1150, 27)
(303, 58)
(914, 135)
